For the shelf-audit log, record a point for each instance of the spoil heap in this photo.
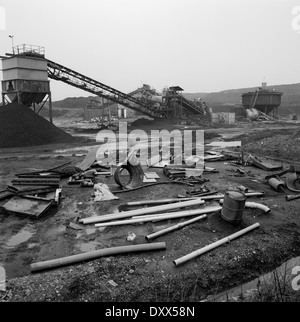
(20, 127)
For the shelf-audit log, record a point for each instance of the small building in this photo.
(226, 118)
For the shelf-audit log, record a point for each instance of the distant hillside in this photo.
(291, 95)
(290, 99)
(74, 102)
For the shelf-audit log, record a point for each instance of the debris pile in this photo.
(198, 203)
(32, 194)
(20, 127)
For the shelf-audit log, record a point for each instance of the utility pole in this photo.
(12, 40)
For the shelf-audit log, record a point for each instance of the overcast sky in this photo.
(200, 45)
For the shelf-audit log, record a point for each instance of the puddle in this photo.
(21, 237)
(283, 273)
(90, 247)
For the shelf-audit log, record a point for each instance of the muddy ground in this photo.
(148, 276)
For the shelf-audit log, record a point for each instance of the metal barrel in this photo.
(233, 206)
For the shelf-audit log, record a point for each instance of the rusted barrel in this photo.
(233, 206)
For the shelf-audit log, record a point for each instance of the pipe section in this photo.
(95, 254)
(160, 217)
(257, 206)
(218, 243)
(172, 228)
(143, 211)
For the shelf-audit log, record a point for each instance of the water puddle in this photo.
(21, 237)
(90, 246)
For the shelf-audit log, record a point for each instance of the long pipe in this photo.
(95, 254)
(160, 217)
(155, 202)
(143, 211)
(207, 197)
(172, 228)
(254, 194)
(218, 243)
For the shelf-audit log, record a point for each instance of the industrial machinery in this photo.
(25, 80)
(263, 100)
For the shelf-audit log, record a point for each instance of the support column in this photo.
(19, 98)
(50, 108)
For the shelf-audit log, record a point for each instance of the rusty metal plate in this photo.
(27, 206)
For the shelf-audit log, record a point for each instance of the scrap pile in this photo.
(32, 194)
(197, 204)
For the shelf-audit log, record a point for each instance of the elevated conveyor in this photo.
(73, 78)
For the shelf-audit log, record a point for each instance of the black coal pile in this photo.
(20, 126)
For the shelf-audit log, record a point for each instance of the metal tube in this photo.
(218, 243)
(172, 228)
(292, 197)
(142, 211)
(155, 202)
(95, 254)
(160, 217)
(278, 185)
(257, 206)
(254, 194)
(213, 197)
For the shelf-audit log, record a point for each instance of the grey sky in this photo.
(200, 45)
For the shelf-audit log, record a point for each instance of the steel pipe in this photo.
(95, 254)
(155, 202)
(218, 243)
(160, 217)
(292, 197)
(254, 194)
(172, 228)
(143, 211)
(276, 184)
